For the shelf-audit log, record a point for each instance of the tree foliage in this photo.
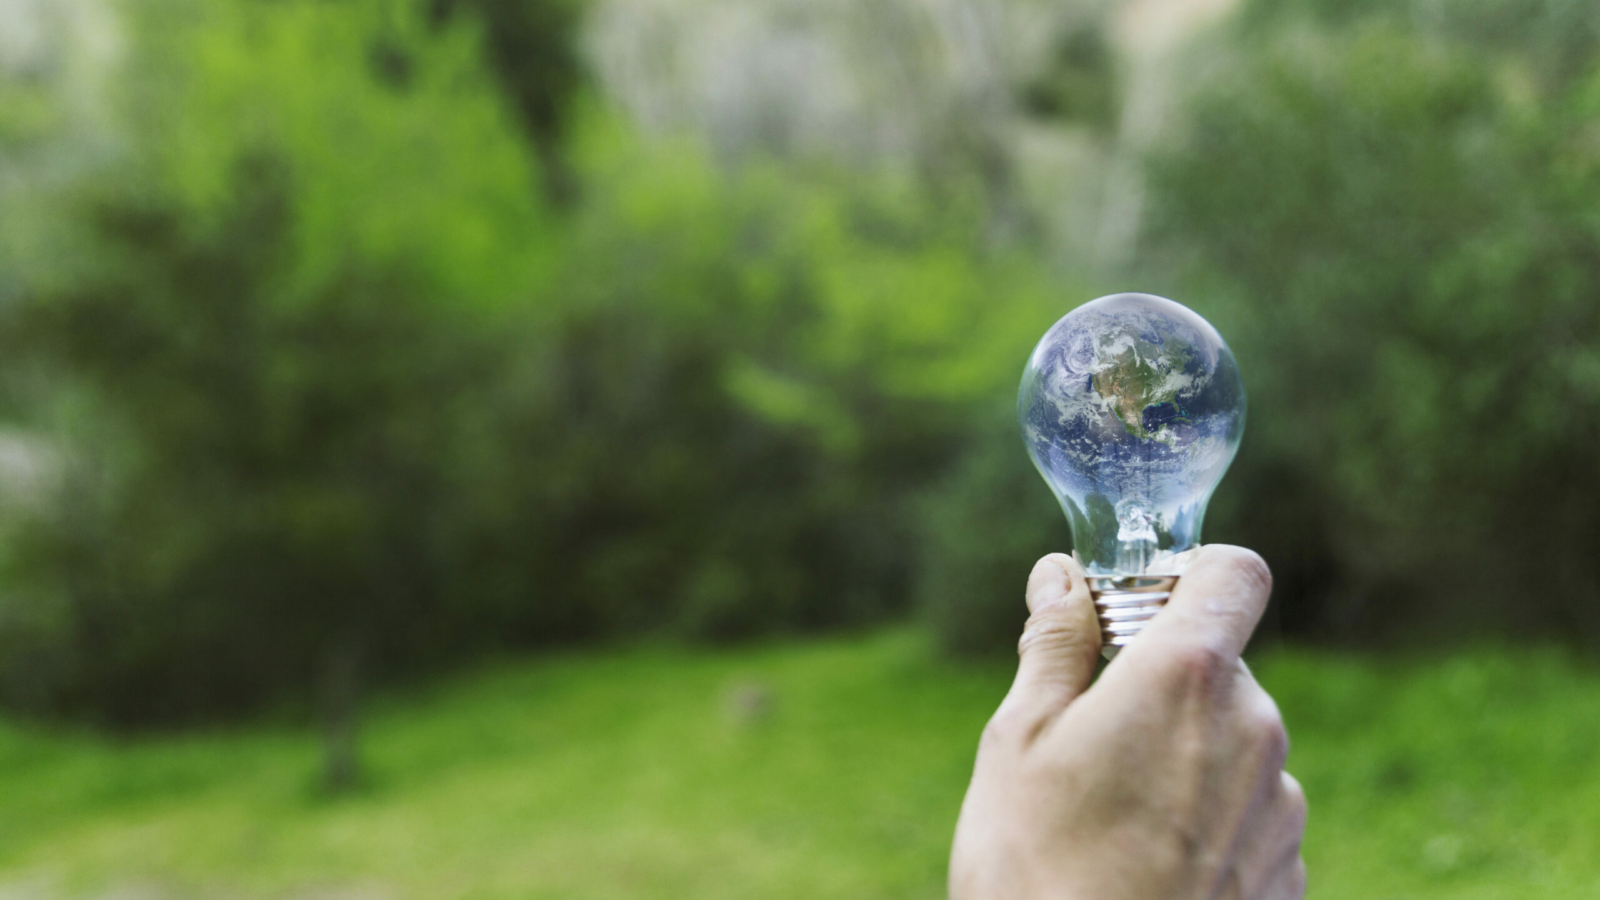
(1396, 209)
(323, 363)
(332, 383)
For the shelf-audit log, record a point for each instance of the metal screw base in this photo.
(1125, 603)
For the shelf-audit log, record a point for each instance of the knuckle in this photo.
(1290, 813)
(1198, 664)
(1005, 728)
(1266, 727)
(1295, 796)
(1292, 881)
(1297, 814)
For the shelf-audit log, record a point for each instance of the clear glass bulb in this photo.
(1132, 408)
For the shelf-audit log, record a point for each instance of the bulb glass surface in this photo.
(1132, 408)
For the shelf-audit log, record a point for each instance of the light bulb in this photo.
(1132, 408)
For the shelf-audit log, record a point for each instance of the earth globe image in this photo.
(1132, 407)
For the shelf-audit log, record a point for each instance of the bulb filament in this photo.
(1137, 542)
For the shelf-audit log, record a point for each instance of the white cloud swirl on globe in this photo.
(1132, 408)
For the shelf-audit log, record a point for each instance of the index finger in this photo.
(1216, 604)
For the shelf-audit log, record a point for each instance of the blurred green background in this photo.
(565, 448)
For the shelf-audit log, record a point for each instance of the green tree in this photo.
(530, 45)
(1390, 214)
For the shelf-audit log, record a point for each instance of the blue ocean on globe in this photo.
(1132, 407)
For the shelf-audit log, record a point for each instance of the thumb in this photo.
(1060, 645)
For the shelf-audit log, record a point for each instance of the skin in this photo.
(1163, 780)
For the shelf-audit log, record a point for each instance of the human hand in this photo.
(1162, 781)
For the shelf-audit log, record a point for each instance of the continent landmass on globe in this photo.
(1141, 375)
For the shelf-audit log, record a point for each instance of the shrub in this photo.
(1400, 244)
(332, 388)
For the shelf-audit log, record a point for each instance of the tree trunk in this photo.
(341, 738)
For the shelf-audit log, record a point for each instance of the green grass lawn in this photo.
(642, 773)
